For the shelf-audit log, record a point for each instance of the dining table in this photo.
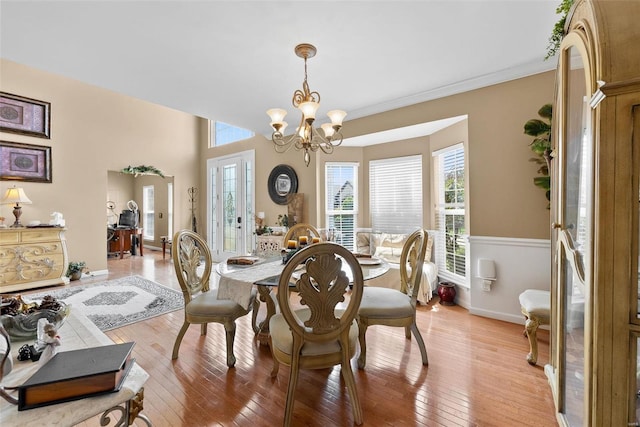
(236, 280)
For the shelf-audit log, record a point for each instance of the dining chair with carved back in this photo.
(313, 329)
(392, 307)
(301, 229)
(190, 254)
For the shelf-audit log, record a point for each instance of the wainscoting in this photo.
(520, 264)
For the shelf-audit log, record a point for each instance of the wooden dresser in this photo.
(32, 258)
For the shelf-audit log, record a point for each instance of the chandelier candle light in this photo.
(17, 196)
(306, 137)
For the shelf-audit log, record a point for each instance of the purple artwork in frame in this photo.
(25, 116)
(25, 162)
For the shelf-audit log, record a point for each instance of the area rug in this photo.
(115, 303)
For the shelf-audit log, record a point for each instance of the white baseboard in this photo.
(506, 317)
(96, 273)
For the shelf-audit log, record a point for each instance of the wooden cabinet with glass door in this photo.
(595, 203)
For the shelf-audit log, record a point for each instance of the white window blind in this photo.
(341, 204)
(148, 212)
(450, 213)
(395, 194)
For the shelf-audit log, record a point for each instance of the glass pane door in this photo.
(573, 336)
(574, 238)
(230, 208)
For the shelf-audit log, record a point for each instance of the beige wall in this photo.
(120, 189)
(266, 159)
(94, 131)
(161, 205)
(123, 187)
(503, 202)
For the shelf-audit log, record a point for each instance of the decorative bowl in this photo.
(23, 324)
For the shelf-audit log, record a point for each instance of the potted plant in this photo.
(283, 220)
(541, 146)
(263, 230)
(75, 270)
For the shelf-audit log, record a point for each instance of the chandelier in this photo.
(306, 137)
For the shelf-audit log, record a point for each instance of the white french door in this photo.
(230, 201)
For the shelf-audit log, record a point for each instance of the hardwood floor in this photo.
(478, 374)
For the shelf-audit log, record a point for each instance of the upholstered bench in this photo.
(536, 307)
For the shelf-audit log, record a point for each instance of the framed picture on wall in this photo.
(25, 162)
(282, 182)
(25, 116)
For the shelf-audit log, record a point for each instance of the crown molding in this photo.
(502, 76)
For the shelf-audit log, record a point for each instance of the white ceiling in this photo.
(232, 60)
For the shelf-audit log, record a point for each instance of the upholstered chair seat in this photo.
(316, 326)
(283, 340)
(207, 301)
(391, 307)
(385, 303)
(192, 262)
(535, 305)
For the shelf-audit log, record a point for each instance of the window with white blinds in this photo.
(148, 212)
(395, 194)
(341, 204)
(451, 245)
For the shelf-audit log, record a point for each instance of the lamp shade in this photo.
(15, 195)
(277, 115)
(328, 129)
(336, 117)
(309, 109)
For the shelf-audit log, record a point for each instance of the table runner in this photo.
(237, 282)
(237, 285)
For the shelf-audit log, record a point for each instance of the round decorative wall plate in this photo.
(282, 182)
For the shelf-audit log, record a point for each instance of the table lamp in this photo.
(17, 196)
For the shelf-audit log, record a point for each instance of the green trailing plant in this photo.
(263, 230)
(558, 29)
(75, 267)
(142, 170)
(283, 220)
(540, 129)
